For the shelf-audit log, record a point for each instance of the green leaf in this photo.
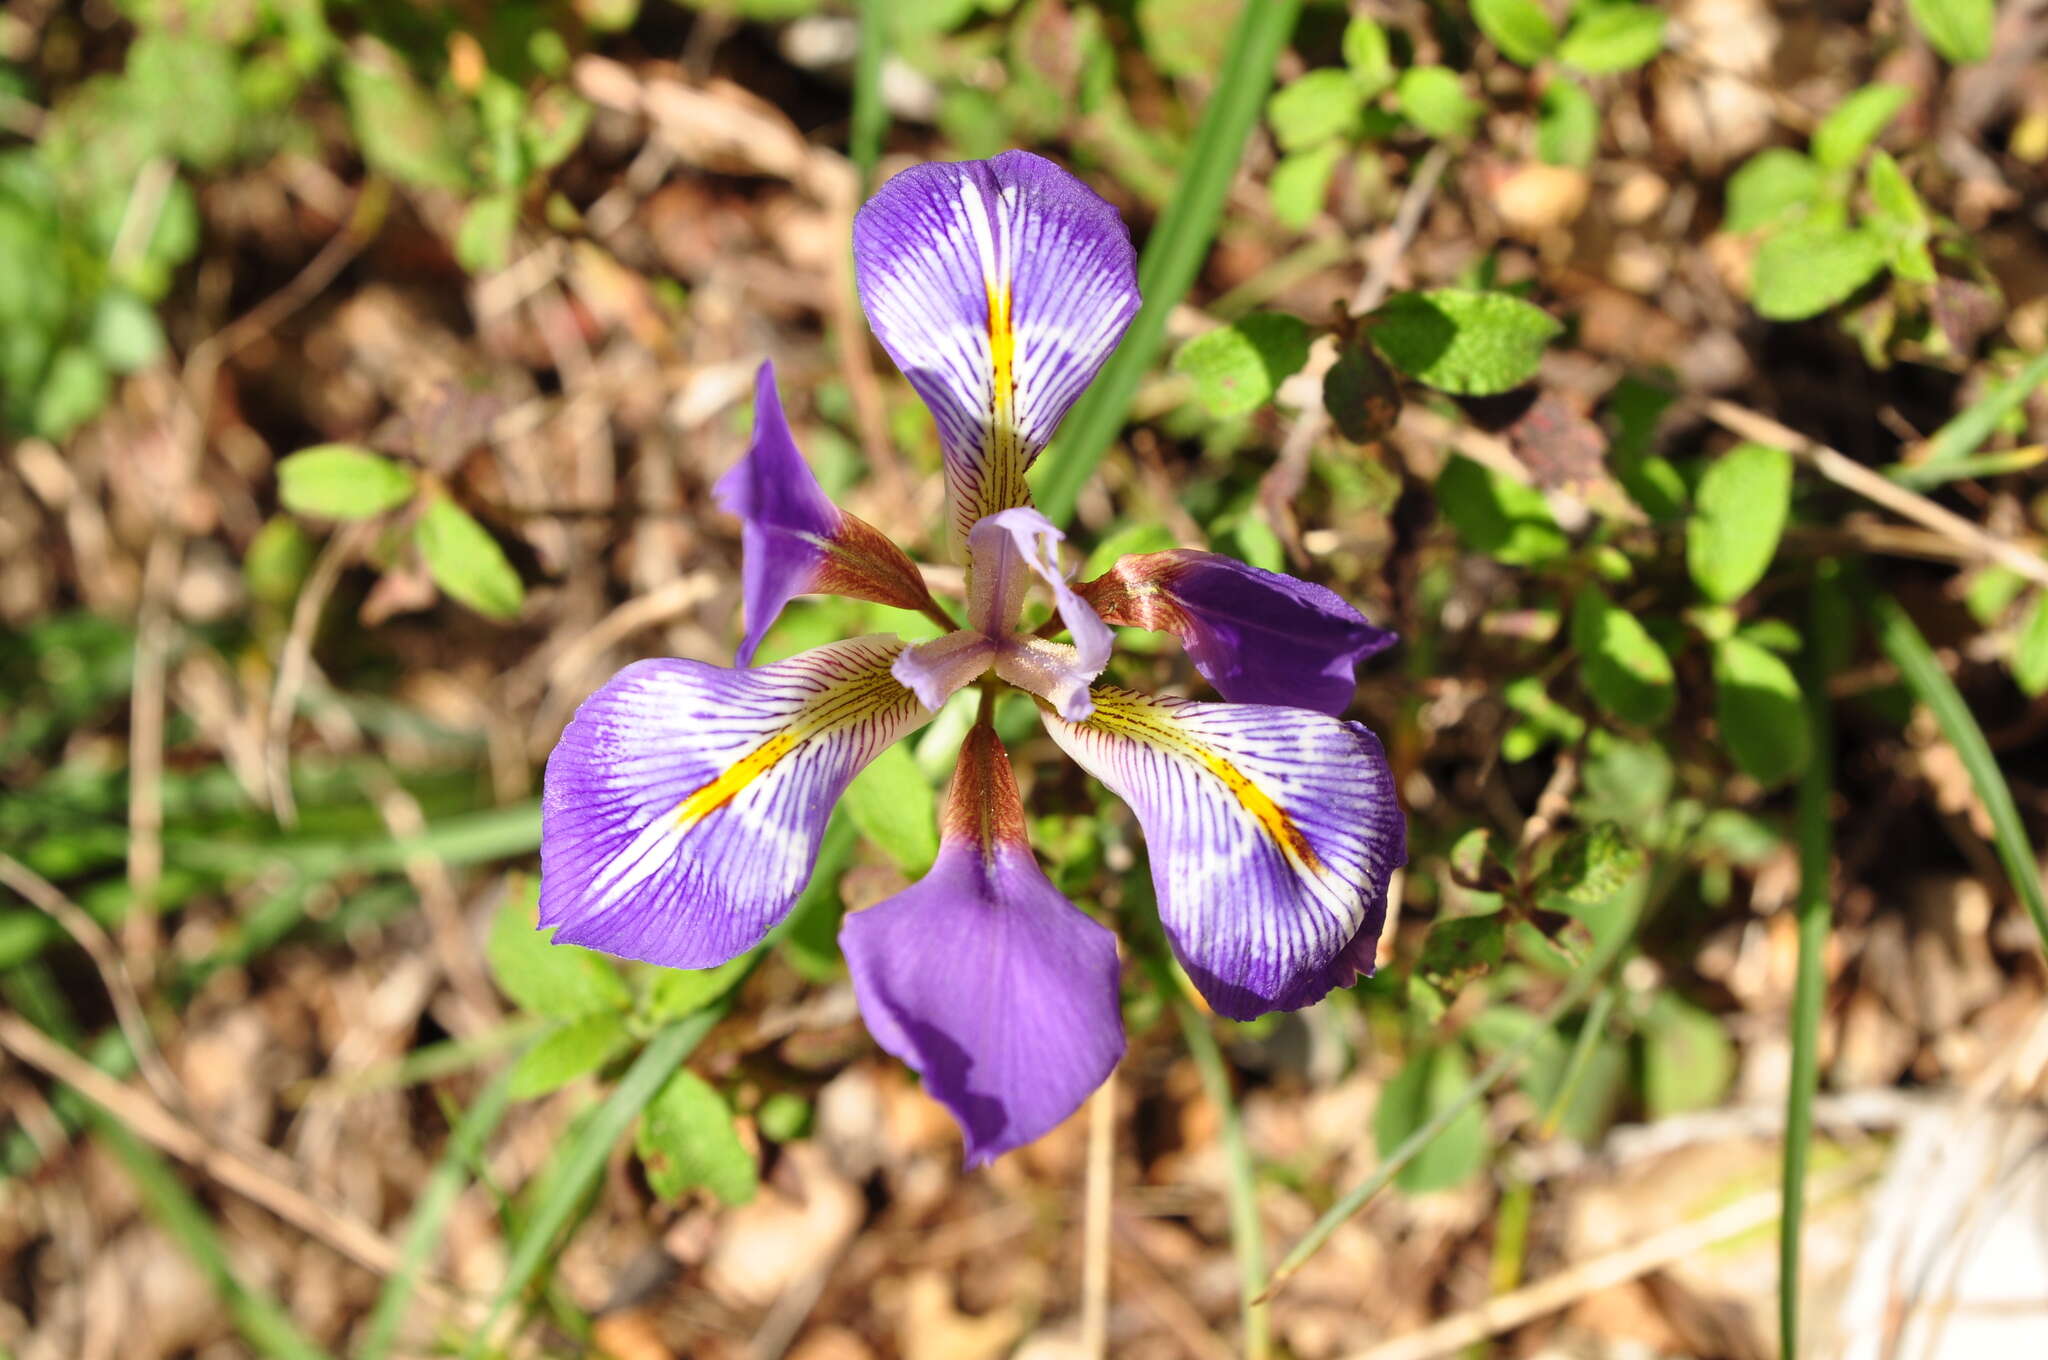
(677, 992)
(1368, 54)
(1739, 515)
(1773, 187)
(74, 390)
(1592, 865)
(1362, 394)
(1432, 1080)
(1760, 710)
(1300, 183)
(571, 1049)
(278, 560)
(1496, 515)
(185, 85)
(1237, 368)
(1462, 341)
(1967, 431)
(893, 806)
(342, 481)
(1855, 123)
(563, 981)
(1521, 29)
(1567, 124)
(401, 131)
(2030, 649)
(1958, 29)
(125, 332)
(1314, 108)
(1688, 1059)
(1804, 270)
(466, 562)
(1461, 949)
(1899, 215)
(1434, 99)
(1613, 38)
(484, 240)
(575, 1168)
(1622, 666)
(687, 1140)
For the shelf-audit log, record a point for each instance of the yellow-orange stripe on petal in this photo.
(684, 804)
(998, 287)
(1272, 833)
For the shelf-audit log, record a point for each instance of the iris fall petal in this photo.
(683, 806)
(1272, 834)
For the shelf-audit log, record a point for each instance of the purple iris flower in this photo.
(685, 802)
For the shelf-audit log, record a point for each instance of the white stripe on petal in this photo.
(683, 805)
(1272, 833)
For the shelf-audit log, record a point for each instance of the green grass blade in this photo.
(261, 1319)
(430, 1212)
(1174, 253)
(582, 1161)
(1924, 476)
(1966, 433)
(1909, 651)
(1816, 916)
(1589, 1036)
(1247, 1238)
(870, 117)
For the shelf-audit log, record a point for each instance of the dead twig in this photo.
(99, 947)
(1095, 1220)
(154, 1124)
(1851, 475)
(1518, 1307)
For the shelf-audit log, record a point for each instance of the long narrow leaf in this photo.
(261, 1319)
(1247, 1238)
(1816, 916)
(1909, 651)
(430, 1212)
(582, 1161)
(1966, 433)
(1174, 254)
(870, 117)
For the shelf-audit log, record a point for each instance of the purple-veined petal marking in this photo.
(1272, 833)
(793, 539)
(999, 287)
(683, 806)
(1258, 636)
(998, 990)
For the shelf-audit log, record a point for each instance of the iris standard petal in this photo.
(793, 539)
(998, 287)
(998, 990)
(682, 808)
(1272, 833)
(1259, 637)
(1002, 548)
(935, 670)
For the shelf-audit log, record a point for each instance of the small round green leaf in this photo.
(1762, 716)
(1622, 666)
(342, 481)
(571, 1049)
(1567, 124)
(1806, 269)
(1314, 108)
(74, 390)
(1688, 1059)
(1855, 123)
(1739, 514)
(1300, 183)
(125, 332)
(563, 981)
(1613, 38)
(1958, 29)
(687, 1140)
(1368, 54)
(1434, 99)
(1521, 29)
(893, 805)
(1238, 367)
(1775, 186)
(2030, 649)
(1463, 341)
(1505, 519)
(1432, 1080)
(466, 562)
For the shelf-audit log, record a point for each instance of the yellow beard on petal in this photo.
(862, 696)
(1141, 722)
